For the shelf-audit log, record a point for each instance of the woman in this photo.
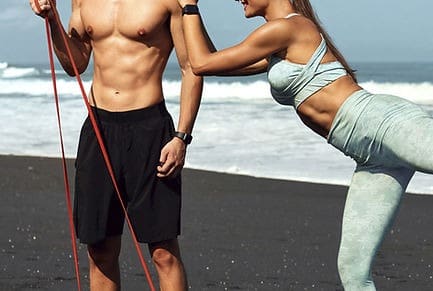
(388, 137)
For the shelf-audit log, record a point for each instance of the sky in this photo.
(364, 31)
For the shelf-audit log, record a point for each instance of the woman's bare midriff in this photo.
(319, 110)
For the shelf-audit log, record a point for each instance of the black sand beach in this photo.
(239, 233)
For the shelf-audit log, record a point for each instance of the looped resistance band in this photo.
(101, 145)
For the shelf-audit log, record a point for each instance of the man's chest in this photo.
(129, 18)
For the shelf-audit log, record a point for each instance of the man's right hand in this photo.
(42, 7)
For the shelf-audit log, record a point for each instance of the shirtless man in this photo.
(131, 41)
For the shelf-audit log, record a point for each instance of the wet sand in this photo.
(238, 233)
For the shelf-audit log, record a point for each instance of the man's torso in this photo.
(131, 44)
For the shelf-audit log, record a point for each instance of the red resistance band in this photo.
(101, 145)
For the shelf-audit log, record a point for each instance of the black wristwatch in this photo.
(190, 9)
(185, 137)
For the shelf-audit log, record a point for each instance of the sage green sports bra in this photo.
(292, 84)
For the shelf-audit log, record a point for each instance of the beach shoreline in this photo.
(238, 233)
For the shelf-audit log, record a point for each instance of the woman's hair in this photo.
(304, 7)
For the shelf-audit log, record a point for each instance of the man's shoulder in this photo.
(171, 5)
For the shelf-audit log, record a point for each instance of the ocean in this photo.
(239, 129)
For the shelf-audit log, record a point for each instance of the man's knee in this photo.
(166, 254)
(164, 259)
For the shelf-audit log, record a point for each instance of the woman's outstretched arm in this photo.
(245, 58)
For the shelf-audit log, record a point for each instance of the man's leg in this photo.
(168, 263)
(104, 264)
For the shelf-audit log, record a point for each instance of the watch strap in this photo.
(185, 137)
(190, 9)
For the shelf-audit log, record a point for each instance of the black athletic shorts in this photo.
(134, 140)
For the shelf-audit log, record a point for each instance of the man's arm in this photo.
(77, 38)
(190, 97)
(192, 85)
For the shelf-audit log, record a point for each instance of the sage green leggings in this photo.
(389, 138)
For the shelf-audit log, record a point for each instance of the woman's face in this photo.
(253, 7)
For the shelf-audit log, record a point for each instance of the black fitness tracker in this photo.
(185, 137)
(190, 9)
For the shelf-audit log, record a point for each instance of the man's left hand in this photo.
(172, 158)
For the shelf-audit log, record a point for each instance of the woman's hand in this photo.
(182, 3)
